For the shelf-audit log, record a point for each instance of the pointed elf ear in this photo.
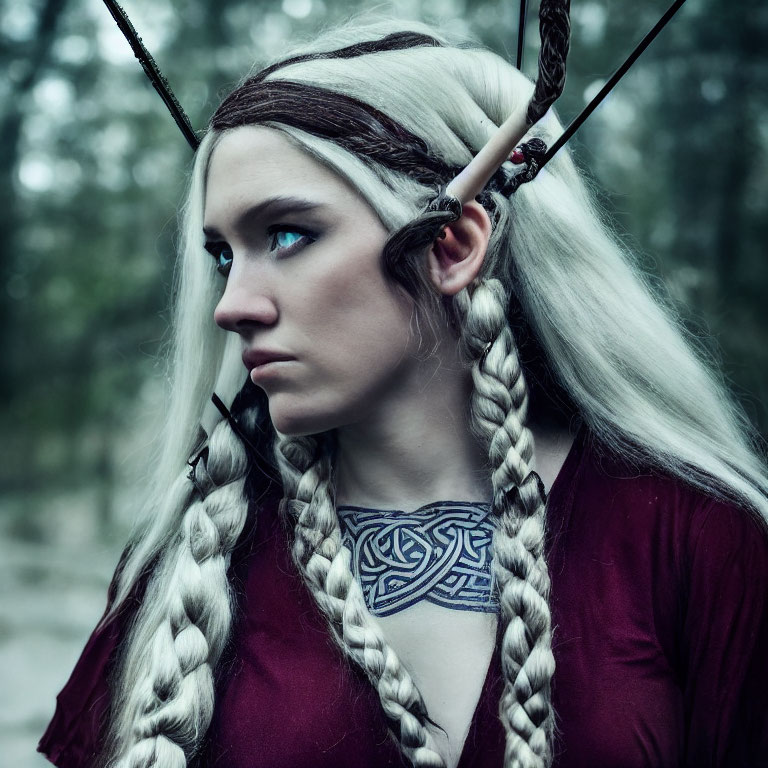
(456, 258)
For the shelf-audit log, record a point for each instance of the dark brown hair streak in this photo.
(395, 41)
(353, 125)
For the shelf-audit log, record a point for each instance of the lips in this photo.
(253, 358)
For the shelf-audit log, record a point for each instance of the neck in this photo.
(416, 447)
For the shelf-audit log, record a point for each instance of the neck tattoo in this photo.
(440, 552)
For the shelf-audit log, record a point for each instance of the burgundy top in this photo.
(661, 640)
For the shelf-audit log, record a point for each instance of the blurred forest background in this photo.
(91, 171)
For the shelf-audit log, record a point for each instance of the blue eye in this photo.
(288, 239)
(222, 255)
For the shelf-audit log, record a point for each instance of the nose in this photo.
(246, 303)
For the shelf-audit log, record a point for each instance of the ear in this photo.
(455, 259)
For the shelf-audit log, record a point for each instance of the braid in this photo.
(185, 619)
(325, 564)
(499, 407)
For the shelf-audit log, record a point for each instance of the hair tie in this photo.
(192, 474)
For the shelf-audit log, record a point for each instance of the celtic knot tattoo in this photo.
(440, 552)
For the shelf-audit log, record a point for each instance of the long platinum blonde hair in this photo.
(635, 377)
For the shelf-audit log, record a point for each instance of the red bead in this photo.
(517, 157)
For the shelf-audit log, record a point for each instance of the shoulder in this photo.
(635, 522)
(637, 496)
(72, 738)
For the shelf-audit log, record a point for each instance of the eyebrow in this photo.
(278, 205)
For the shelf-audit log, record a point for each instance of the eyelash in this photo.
(218, 249)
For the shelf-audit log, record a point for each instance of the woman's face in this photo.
(301, 254)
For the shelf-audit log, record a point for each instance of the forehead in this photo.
(251, 163)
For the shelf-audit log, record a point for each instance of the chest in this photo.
(287, 698)
(427, 579)
(448, 653)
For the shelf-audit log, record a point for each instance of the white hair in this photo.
(638, 380)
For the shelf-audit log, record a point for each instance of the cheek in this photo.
(365, 317)
(359, 358)
(358, 328)
(348, 298)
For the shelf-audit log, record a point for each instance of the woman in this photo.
(430, 411)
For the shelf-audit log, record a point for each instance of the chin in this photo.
(296, 414)
(295, 422)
